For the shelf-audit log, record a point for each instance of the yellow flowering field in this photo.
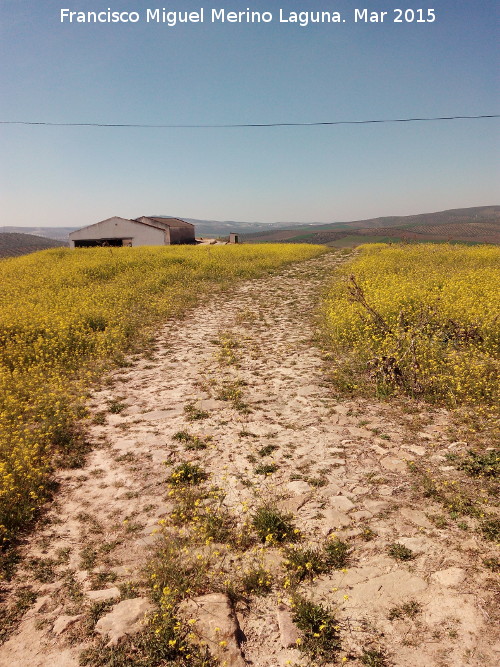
(419, 319)
(66, 316)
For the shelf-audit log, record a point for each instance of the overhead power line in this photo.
(237, 125)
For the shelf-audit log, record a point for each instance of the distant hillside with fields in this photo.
(13, 244)
(468, 225)
(479, 224)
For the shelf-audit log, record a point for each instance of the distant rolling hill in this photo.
(57, 233)
(468, 225)
(13, 244)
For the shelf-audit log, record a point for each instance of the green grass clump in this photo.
(336, 554)
(490, 529)
(272, 525)
(478, 464)
(266, 469)
(304, 562)
(194, 413)
(191, 441)
(400, 552)
(258, 581)
(188, 474)
(267, 450)
(406, 610)
(115, 406)
(373, 658)
(320, 631)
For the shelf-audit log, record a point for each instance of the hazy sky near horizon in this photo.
(225, 73)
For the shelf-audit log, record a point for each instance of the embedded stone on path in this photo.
(393, 464)
(452, 576)
(126, 618)
(295, 503)
(417, 517)
(216, 626)
(341, 503)
(386, 589)
(289, 633)
(64, 622)
(104, 594)
(334, 520)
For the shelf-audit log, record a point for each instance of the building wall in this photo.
(181, 235)
(180, 232)
(119, 228)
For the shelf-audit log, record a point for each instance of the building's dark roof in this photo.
(165, 222)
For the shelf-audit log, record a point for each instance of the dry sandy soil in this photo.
(340, 467)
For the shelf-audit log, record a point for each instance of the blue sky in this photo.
(246, 73)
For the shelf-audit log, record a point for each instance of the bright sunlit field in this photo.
(421, 320)
(66, 316)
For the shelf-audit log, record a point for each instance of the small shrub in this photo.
(228, 344)
(258, 581)
(116, 407)
(373, 658)
(320, 637)
(97, 580)
(317, 482)
(88, 557)
(182, 436)
(188, 474)
(367, 534)
(267, 450)
(128, 590)
(439, 520)
(492, 564)
(43, 569)
(336, 554)
(303, 562)
(247, 434)
(191, 442)
(407, 610)
(95, 611)
(266, 469)
(99, 418)
(477, 464)
(400, 552)
(490, 529)
(193, 413)
(272, 525)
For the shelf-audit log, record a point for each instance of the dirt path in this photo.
(340, 466)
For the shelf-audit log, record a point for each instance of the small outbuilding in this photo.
(140, 231)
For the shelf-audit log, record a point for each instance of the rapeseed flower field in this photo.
(421, 320)
(68, 315)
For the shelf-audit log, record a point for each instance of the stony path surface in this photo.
(340, 466)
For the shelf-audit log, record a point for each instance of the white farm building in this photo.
(140, 231)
